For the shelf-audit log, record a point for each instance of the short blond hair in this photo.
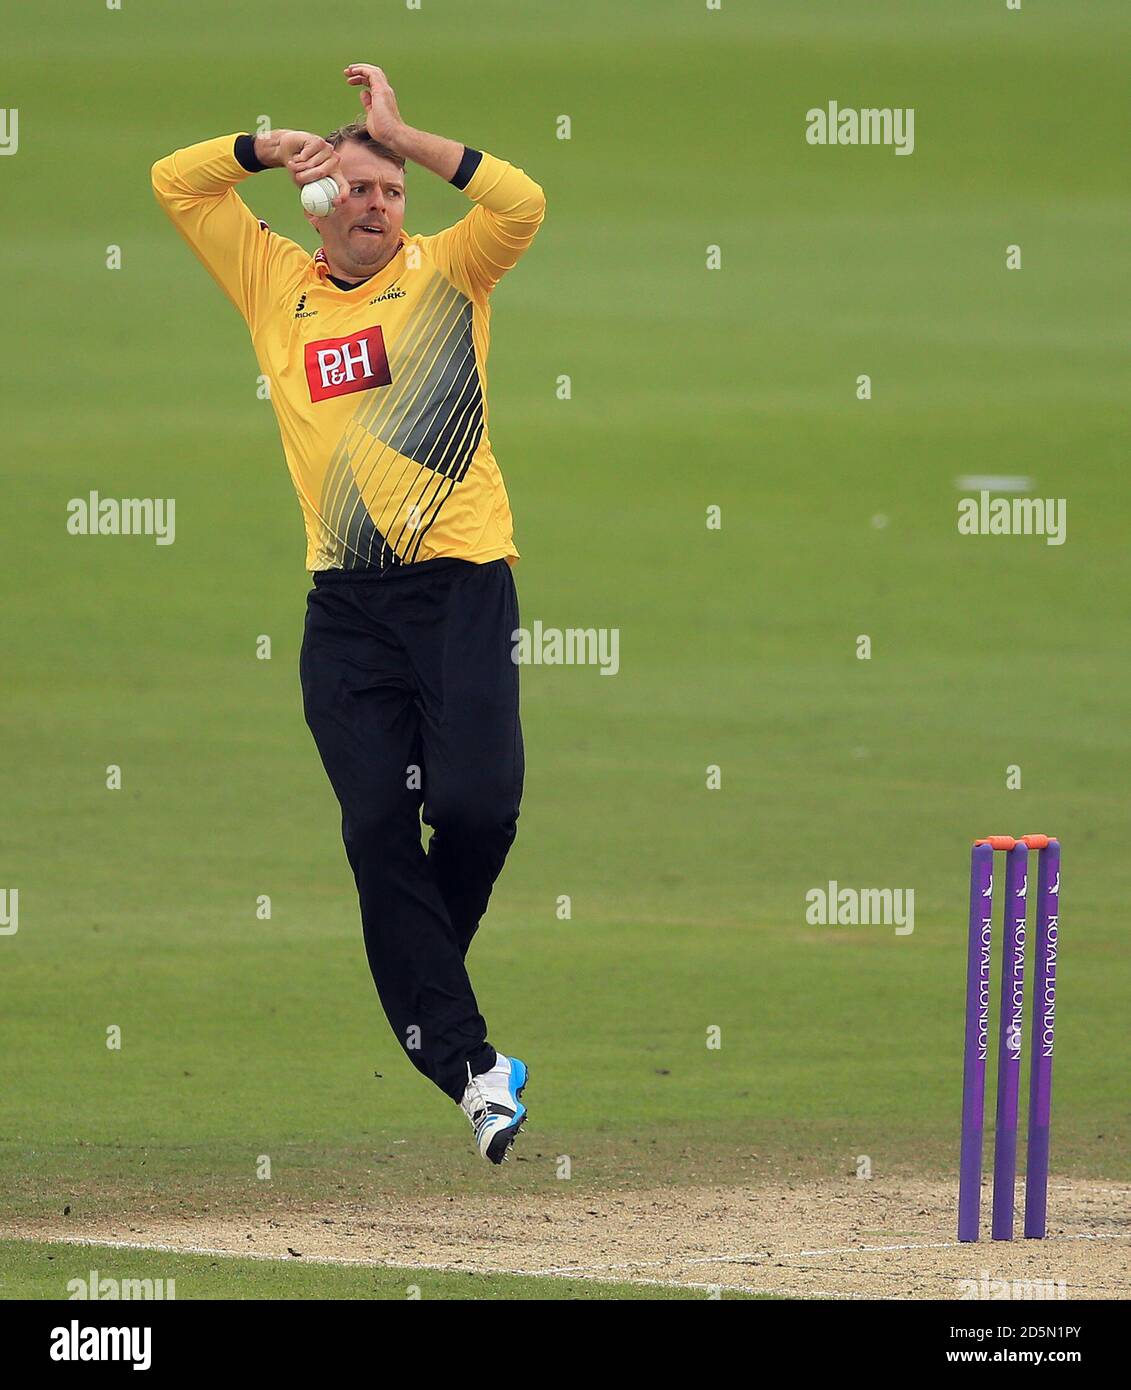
(357, 132)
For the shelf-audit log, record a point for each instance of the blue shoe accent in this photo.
(500, 1142)
(518, 1083)
(491, 1101)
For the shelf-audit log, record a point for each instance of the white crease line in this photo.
(992, 482)
(959, 1244)
(1080, 1187)
(565, 1271)
(372, 1263)
(669, 1259)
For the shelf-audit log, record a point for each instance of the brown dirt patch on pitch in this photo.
(891, 1238)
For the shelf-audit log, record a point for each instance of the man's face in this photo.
(363, 234)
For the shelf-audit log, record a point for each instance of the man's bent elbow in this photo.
(161, 176)
(531, 207)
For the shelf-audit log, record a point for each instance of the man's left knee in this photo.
(483, 813)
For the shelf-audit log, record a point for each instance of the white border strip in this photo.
(964, 1244)
(563, 1273)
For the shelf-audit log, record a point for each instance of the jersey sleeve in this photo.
(477, 252)
(197, 188)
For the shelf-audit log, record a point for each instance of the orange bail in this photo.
(1007, 842)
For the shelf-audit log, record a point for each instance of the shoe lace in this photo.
(474, 1091)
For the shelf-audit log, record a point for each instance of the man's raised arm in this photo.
(510, 206)
(197, 188)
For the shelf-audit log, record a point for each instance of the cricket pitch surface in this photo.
(890, 1239)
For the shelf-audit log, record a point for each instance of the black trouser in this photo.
(412, 697)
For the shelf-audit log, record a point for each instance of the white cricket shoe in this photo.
(491, 1102)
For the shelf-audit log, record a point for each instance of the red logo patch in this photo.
(337, 366)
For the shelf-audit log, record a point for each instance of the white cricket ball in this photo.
(318, 197)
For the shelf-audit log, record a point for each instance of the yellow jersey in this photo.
(380, 391)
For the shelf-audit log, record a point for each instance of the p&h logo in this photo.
(337, 366)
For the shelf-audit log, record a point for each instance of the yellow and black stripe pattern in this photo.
(395, 465)
(409, 444)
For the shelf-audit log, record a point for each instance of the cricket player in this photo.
(375, 348)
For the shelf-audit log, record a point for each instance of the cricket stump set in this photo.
(1009, 1033)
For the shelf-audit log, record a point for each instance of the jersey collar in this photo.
(384, 277)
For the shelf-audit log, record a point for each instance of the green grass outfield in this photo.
(691, 388)
(43, 1270)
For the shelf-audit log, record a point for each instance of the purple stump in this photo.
(1009, 1040)
(977, 1040)
(1044, 1018)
